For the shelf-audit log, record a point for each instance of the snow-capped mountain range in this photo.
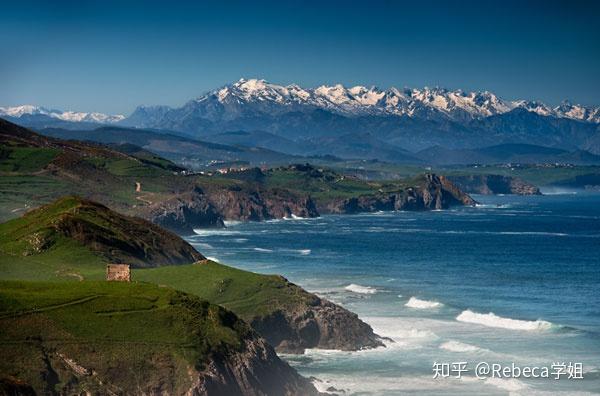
(359, 122)
(360, 100)
(71, 116)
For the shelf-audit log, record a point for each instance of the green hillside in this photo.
(247, 294)
(73, 238)
(67, 337)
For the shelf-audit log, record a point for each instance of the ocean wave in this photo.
(262, 250)
(296, 217)
(353, 287)
(231, 223)
(532, 233)
(416, 303)
(457, 346)
(216, 260)
(405, 332)
(493, 320)
(202, 245)
(304, 252)
(208, 232)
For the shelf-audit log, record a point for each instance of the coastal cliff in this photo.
(494, 184)
(431, 192)
(287, 316)
(318, 324)
(210, 207)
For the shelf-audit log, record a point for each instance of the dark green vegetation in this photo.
(120, 338)
(74, 238)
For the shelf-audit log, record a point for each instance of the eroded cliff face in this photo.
(494, 184)
(255, 371)
(184, 212)
(209, 208)
(432, 193)
(257, 205)
(323, 325)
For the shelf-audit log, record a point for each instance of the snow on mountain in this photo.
(360, 100)
(72, 116)
(254, 97)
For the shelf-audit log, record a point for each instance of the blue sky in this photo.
(112, 56)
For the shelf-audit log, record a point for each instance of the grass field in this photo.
(246, 293)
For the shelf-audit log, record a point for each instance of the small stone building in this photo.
(118, 272)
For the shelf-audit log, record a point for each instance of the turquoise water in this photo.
(514, 280)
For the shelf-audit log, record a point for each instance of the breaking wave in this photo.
(415, 303)
(262, 250)
(493, 320)
(457, 346)
(354, 288)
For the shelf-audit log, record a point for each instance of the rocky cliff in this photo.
(494, 184)
(287, 316)
(430, 192)
(319, 324)
(254, 371)
(209, 207)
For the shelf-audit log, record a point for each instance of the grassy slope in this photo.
(246, 293)
(32, 248)
(121, 330)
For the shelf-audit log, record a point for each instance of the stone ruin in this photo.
(118, 272)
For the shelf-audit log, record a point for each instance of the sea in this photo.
(513, 282)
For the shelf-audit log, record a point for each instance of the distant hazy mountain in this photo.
(36, 116)
(505, 153)
(174, 147)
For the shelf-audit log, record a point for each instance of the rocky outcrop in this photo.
(256, 205)
(208, 208)
(184, 212)
(432, 192)
(324, 325)
(494, 184)
(308, 321)
(254, 371)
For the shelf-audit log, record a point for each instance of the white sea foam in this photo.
(354, 288)
(304, 252)
(263, 250)
(493, 320)
(216, 260)
(231, 223)
(532, 233)
(416, 303)
(207, 232)
(457, 346)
